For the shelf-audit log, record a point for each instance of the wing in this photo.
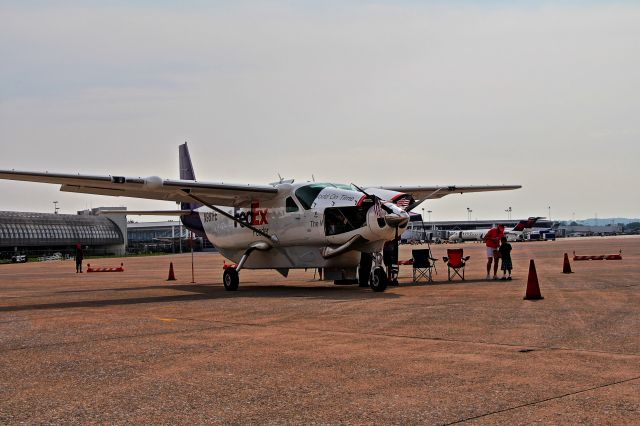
(153, 188)
(421, 193)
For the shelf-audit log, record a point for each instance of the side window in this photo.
(291, 205)
(308, 194)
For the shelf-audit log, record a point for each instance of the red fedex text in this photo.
(254, 217)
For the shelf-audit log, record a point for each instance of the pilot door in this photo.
(294, 226)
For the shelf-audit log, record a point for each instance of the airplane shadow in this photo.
(466, 281)
(446, 282)
(210, 292)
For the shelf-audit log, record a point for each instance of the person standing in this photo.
(79, 258)
(492, 241)
(505, 255)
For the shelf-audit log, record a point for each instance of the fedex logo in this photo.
(255, 216)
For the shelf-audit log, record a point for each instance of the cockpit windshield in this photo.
(307, 194)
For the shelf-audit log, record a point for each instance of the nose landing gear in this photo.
(378, 278)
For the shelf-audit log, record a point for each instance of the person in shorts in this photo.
(492, 242)
(505, 255)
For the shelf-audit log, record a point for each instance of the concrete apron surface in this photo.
(131, 347)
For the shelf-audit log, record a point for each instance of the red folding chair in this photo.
(455, 262)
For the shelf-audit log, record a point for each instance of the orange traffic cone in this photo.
(172, 277)
(533, 288)
(566, 268)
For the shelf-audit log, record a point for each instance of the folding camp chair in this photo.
(455, 262)
(422, 265)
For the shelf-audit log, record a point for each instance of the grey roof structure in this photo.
(46, 230)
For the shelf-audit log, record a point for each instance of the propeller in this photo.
(392, 218)
(374, 198)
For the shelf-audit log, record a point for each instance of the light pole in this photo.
(549, 213)
(469, 214)
(429, 211)
(424, 231)
(55, 207)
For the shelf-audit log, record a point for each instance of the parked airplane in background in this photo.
(515, 234)
(285, 225)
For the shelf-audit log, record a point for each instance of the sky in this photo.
(537, 93)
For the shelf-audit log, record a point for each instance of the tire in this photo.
(230, 279)
(378, 281)
(364, 270)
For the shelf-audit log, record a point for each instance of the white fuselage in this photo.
(304, 218)
(478, 235)
(471, 235)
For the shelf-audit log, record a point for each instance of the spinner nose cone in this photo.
(397, 220)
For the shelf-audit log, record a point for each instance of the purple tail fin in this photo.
(186, 167)
(186, 172)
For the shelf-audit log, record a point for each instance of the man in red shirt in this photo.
(492, 241)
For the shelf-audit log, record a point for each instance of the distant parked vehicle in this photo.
(54, 256)
(19, 258)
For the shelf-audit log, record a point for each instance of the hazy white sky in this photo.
(542, 94)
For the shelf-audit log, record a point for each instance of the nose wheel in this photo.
(378, 278)
(230, 279)
(378, 281)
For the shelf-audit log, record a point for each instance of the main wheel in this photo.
(378, 281)
(230, 279)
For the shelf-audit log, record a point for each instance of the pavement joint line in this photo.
(62, 314)
(401, 336)
(130, 336)
(542, 401)
(227, 324)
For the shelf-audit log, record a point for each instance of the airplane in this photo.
(514, 234)
(285, 225)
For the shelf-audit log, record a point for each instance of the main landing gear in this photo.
(230, 279)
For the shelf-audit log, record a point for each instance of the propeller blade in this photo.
(374, 198)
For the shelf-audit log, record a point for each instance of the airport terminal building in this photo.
(42, 234)
(163, 237)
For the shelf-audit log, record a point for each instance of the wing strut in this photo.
(227, 215)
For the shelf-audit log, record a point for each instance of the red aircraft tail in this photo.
(525, 224)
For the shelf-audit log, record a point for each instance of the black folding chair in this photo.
(422, 265)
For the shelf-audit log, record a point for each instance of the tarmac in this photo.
(130, 347)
